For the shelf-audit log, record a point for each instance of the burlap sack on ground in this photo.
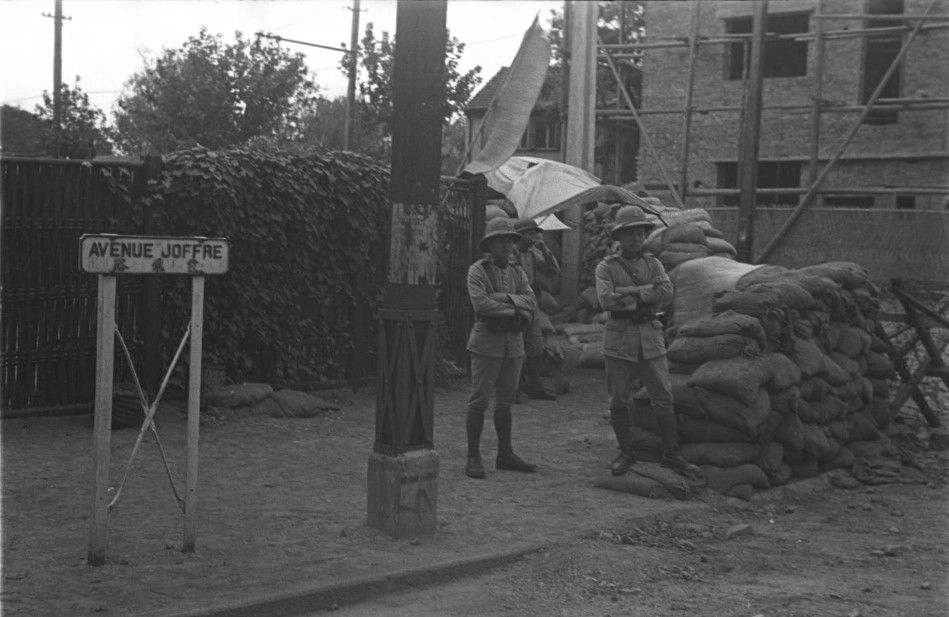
(843, 460)
(692, 430)
(698, 350)
(591, 356)
(732, 412)
(740, 377)
(634, 484)
(720, 454)
(770, 457)
(721, 479)
(728, 322)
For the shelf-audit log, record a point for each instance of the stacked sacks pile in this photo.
(785, 378)
(687, 234)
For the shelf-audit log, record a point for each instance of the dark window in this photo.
(905, 202)
(879, 54)
(848, 201)
(771, 175)
(782, 58)
(543, 133)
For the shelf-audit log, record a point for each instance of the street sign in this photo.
(115, 254)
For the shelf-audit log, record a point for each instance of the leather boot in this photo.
(671, 455)
(474, 423)
(535, 388)
(507, 460)
(619, 419)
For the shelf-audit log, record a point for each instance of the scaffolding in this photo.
(908, 27)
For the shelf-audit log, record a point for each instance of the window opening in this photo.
(782, 58)
(771, 175)
(879, 52)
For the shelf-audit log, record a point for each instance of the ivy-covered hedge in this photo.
(307, 233)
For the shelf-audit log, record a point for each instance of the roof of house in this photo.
(549, 93)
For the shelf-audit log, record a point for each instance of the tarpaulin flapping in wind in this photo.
(534, 185)
(509, 113)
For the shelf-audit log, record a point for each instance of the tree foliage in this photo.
(215, 94)
(373, 113)
(82, 131)
(20, 131)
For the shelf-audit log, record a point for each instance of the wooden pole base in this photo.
(403, 493)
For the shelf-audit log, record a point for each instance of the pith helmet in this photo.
(499, 227)
(525, 224)
(630, 216)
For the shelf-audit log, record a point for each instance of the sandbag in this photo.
(684, 400)
(815, 440)
(808, 357)
(693, 430)
(672, 257)
(720, 246)
(687, 233)
(754, 301)
(840, 429)
(871, 449)
(698, 280)
(879, 410)
(808, 413)
(850, 391)
(806, 467)
(647, 444)
(879, 366)
(698, 350)
(492, 212)
(721, 479)
(770, 457)
(682, 368)
(790, 433)
(843, 460)
(846, 362)
(741, 491)
(861, 428)
(881, 387)
(846, 274)
(575, 329)
(832, 372)
(720, 454)
(852, 341)
(741, 378)
(732, 412)
(634, 484)
(546, 327)
(547, 302)
(814, 388)
(728, 322)
(786, 401)
(829, 408)
(785, 373)
(591, 356)
(674, 216)
(780, 477)
(590, 299)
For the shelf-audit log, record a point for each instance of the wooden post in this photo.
(403, 468)
(818, 95)
(748, 173)
(689, 87)
(580, 133)
(194, 409)
(102, 431)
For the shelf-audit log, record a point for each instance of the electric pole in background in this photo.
(57, 70)
(351, 90)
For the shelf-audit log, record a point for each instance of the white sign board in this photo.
(114, 254)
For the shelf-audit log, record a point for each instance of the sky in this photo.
(105, 42)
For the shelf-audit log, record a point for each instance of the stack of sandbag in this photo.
(589, 339)
(683, 235)
(784, 378)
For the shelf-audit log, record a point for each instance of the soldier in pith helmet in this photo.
(630, 285)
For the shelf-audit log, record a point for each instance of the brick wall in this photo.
(913, 151)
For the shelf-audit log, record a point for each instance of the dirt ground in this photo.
(282, 507)
(869, 551)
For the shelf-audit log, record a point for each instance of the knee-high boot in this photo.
(619, 419)
(507, 460)
(671, 454)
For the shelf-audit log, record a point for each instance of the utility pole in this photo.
(351, 90)
(403, 467)
(57, 70)
(580, 133)
(748, 157)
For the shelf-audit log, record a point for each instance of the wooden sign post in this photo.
(109, 255)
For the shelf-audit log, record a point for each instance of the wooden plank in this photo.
(102, 432)
(194, 424)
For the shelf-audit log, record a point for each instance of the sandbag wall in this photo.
(785, 378)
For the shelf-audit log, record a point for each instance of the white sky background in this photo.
(106, 41)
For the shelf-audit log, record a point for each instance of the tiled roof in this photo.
(550, 92)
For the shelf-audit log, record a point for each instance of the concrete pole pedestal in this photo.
(403, 493)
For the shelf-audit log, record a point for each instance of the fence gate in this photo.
(47, 305)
